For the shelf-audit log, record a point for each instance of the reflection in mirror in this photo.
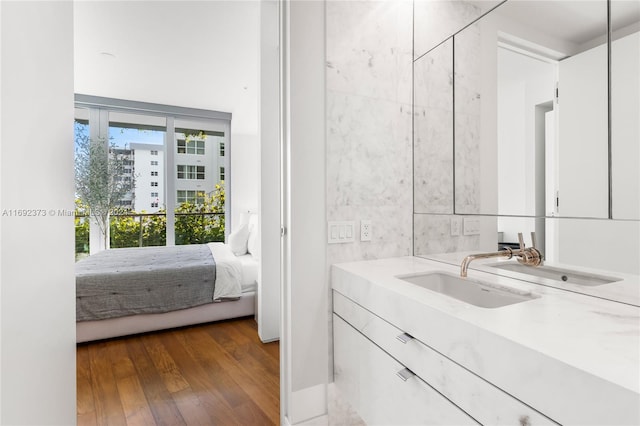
(437, 20)
(520, 150)
(625, 109)
(433, 130)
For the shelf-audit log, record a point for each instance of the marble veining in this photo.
(433, 131)
(369, 127)
(554, 353)
(369, 139)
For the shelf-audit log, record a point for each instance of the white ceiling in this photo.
(574, 21)
(199, 54)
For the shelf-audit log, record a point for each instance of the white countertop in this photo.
(569, 343)
(626, 288)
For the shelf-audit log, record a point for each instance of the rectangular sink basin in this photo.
(467, 290)
(557, 274)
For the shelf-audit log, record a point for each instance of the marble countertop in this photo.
(556, 351)
(625, 288)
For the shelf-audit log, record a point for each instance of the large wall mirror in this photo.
(531, 111)
(625, 109)
(545, 133)
(545, 113)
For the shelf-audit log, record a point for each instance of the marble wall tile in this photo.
(368, 151)
(369, 127)
(433, 131)
(369, 48)
(432, 234)
(391, 232)
(369, 138)
(475, 106)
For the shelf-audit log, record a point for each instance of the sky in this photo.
(122, 137)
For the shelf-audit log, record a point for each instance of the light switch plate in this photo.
(471, 226)
(340, 231)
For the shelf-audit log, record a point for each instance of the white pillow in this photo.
(238, 240)
(253, 242)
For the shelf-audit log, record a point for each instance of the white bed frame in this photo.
(114, 327)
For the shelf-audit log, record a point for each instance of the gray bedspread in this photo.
(128, 281)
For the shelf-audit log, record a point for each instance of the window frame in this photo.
(214, 120)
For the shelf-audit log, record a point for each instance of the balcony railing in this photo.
(150, 229)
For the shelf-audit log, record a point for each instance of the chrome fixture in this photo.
(529, 256)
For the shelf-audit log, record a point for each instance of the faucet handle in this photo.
(533, 239)
(521, 241)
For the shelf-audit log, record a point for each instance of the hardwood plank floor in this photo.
(211, 374)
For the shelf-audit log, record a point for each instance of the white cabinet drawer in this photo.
(482, 400)
(369, 379)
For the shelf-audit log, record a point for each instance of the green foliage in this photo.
(125, 231)
(99, 172)
(82, 228)
(195, 224)
(205, 227)
(154, 230)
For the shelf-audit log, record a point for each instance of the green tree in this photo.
(82, 228)
(100, 178)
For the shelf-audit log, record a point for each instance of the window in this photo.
(221, 173)
(190, 146)
(190, 172)
(221, 149)
(140, 135)
(196, 197)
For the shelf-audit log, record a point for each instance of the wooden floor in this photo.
(212, 374)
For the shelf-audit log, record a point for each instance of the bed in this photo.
(135, 290)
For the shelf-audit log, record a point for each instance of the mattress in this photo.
(130, 281)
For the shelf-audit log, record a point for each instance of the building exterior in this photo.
(199, 166)
(149, 171)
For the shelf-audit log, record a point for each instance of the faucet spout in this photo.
(530, 256)
(507, 252)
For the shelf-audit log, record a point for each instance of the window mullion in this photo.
(170, 182)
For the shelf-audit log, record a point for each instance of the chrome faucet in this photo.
(530, 256)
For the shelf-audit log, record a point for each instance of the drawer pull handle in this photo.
(405, 374)
(404, 337)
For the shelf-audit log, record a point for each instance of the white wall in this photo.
(305, 306)
(269, 290)
(37, 253)
(201, 54)
(582, 121)
(523, 83)
(625, 126)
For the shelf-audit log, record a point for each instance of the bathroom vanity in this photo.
(515, 353)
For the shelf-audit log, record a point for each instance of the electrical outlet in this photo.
(365, 230)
